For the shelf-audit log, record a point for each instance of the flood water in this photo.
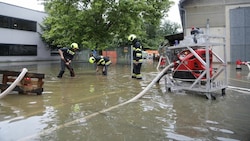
(69, 108)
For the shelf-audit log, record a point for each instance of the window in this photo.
(18, 50)
(15, 23)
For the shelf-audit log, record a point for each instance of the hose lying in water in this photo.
(13, 85)
(156, 79)
(248, 65)
(239, 88)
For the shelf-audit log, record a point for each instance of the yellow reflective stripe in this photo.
(138, 55)
(108, 63)
(140, 61)
(138, 76)
(101, 61)
(138, 49)
(70, 52)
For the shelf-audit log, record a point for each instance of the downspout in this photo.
(183, 19)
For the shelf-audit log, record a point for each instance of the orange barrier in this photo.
(112, 56)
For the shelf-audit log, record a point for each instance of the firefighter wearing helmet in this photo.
(101, 62)
(67, 54)
(137, 56)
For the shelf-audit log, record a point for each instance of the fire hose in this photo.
(239, 88)
(155, 80)
(143, 92)
(248, 65)
(13, 85)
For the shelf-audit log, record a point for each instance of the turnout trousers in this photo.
(137, 70)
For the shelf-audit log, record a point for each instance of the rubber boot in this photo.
(104, 73)
(133, 75)
(104, 70)
(138, 76)
(60, 74)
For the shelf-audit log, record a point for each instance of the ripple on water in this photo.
(201, 129)
(212, 122)
(178, 137)
(226, 139)
(221, 130)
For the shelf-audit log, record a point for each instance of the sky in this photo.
(31, 4)
(173, 14)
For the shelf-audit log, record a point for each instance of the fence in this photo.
(120, 55)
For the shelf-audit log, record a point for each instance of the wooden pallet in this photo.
(31, 83)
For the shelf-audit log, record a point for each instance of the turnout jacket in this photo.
(67, 53)
(137, 51)
(102, 61)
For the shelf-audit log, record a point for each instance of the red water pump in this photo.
(189, 67)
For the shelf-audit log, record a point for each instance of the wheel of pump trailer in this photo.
(169, 89)
(223, 92)
(213, 96)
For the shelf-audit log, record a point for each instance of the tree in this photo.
(97, 23)
(168, 28)
(155, 34)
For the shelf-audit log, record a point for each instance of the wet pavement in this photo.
(69, 109)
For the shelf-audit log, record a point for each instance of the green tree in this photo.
(100, 23)
(168, 28)
(155, 34)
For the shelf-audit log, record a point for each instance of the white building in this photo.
(20, 35)
(229, 18)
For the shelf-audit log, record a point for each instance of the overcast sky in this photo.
(173, 14)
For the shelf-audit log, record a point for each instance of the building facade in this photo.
(229, 18)
(20, 35)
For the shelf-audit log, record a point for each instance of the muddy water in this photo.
(69, 108)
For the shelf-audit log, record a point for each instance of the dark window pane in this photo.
(18, 50)
(19, 24)
(4, 22)
(4, 50)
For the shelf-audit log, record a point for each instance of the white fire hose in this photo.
(50, 130)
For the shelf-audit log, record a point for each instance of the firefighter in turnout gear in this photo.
(137, 56)
(67, 54)
(101, 62)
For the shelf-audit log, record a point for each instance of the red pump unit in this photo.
(189, 67)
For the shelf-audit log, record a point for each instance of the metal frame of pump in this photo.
(196, 59)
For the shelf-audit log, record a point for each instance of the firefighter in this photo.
(137, 56)
(101, 62)
(67, 54)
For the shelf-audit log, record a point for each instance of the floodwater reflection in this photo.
(69, 108)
